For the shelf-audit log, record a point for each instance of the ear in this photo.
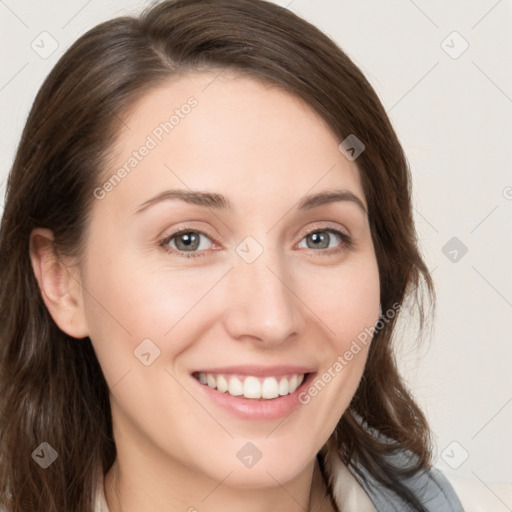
(59, 282)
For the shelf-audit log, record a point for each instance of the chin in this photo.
(261, 463)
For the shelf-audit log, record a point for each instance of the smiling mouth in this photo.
(248, 386)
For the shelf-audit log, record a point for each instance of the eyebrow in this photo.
(328, 197)
(206, 199)
(220, 202)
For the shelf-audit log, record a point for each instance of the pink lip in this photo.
(257, 371)
(256, 409)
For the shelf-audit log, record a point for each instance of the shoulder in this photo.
(430, 487)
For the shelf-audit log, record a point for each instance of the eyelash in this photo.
(345, 244)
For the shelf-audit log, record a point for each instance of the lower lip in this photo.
(256, 409)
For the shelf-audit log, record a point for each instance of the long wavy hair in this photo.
(51, 386)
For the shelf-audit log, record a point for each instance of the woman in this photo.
(206, 243)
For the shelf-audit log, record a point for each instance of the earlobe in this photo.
(59, 284)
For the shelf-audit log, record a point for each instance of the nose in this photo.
(261, 303)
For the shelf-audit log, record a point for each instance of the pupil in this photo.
(188, 241)
(320, 240)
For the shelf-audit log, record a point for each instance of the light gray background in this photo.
(453, 115)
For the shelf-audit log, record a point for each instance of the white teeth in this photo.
(210, 380)
(292, 384)
(236, 387)
(252, 387)
(222, 384)
(283, 386)
(269, 388)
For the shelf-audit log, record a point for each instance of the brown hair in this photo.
(51, 386)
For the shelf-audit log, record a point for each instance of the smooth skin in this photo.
(301, 302)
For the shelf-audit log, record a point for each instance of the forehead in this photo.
(227, 133)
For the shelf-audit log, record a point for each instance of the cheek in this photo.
(128, 303)
(345, 299)
(346, 303)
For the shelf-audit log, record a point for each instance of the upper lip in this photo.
(258, 371)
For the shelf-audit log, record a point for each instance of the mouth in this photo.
(251, 392)
(252, 387)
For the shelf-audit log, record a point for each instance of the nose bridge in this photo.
(262, 304)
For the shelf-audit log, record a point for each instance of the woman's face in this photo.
(267, 285)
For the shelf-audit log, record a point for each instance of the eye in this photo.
(325, 239)
(187, 241)
(192, 243)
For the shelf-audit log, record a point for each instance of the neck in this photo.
(185, 490)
